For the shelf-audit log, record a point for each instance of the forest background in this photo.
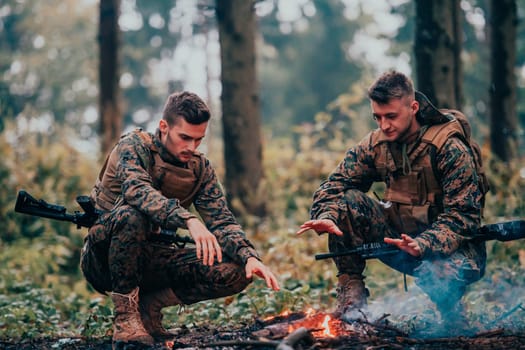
(314, 60)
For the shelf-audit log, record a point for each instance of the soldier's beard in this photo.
(181, 156)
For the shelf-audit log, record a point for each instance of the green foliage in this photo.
(38, 298)
(40, 283)
(48, 167)
(507, 194)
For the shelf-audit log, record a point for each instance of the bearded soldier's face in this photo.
(397, 118)
(182, 138)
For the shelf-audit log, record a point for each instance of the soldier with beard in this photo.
(147, 184)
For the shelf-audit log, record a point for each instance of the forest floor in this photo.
(294, 332)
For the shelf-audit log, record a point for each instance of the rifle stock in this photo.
(503, 232)
(27, 204)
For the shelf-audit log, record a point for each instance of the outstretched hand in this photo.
(206, 243)
(320, 226)
(254, 266)
(406, 244)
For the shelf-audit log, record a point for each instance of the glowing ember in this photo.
(282, 314)
(320, 324)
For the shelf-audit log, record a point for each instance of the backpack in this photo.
(462, 127)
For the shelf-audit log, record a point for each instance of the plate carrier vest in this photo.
(414, 200)
(171, 180)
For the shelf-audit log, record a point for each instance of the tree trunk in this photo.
(437, 50)
(503, 116)
(110, 125)
(241, 119)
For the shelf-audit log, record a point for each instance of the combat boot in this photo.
(351, 296)
(127, 326)
(151, 305)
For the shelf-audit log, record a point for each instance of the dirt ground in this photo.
(293, 332)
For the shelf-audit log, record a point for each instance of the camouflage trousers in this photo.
(119, 255)
(443, 279)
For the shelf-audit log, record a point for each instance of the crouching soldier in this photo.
(147, 184)
(431, 207)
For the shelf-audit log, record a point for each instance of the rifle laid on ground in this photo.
(27, 204)
(503, 232)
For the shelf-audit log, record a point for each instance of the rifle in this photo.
(503, 232)
(27, 204)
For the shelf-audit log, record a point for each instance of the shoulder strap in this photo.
(438, 134)
(146, 137)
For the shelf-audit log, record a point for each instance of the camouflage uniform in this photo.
(449, 261)
(119, 253)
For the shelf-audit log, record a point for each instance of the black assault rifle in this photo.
(503, 232)
(26, 204)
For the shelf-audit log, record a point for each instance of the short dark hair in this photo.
(391, 84)
(185, 105)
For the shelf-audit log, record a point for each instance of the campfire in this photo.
(313, 329)
(319, 329)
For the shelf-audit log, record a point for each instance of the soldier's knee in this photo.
(128, 216)
(231, 277)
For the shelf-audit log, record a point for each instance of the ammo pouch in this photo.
(410, 219)
(411, 208)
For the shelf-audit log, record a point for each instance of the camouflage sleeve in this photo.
(138, 190)
(461, 201)
(211, 204)
(355, 171)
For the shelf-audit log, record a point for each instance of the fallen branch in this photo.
(264, 343)
(287, 343)
(506, 314)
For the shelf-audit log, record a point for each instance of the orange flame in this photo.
(321, 324)
(326, 327)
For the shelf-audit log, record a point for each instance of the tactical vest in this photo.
(171, 180)
(414, 198)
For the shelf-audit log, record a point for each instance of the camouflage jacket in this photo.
(138, 188)
(461, 196)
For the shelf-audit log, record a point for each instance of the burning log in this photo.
(323, 325)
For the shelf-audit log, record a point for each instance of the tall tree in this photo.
(503, 116)
(240, 107)
(110, 125)
(437, 51)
